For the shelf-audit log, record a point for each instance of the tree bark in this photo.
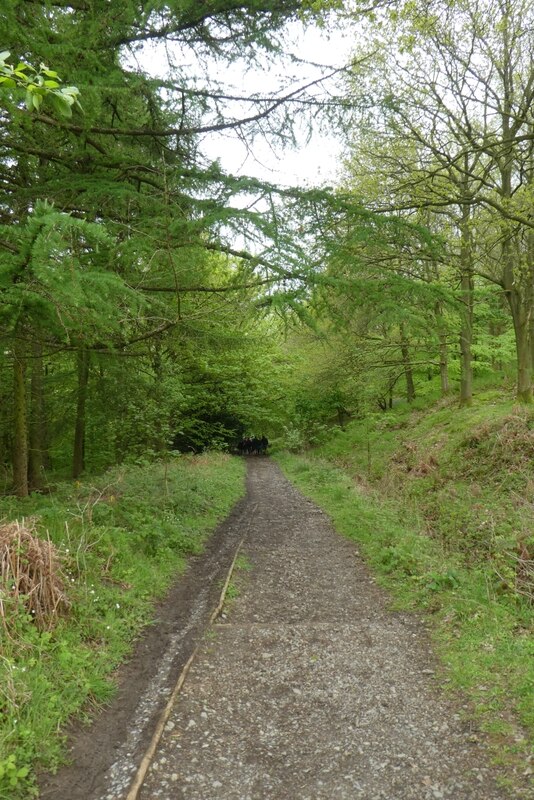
(521, 316)
(530, 261)
(466, 298)
(408, 372)
(78, 459)
(20, 427)
(524, 364)
(517, 276)
(37, 423)
(159, 434)
(443, 352)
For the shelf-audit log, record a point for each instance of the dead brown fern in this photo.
(30, 576)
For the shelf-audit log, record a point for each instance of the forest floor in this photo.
(309, 686)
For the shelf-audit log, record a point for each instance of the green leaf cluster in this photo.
(39, 85)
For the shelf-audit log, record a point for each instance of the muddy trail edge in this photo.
(310, 688)
(105, 755)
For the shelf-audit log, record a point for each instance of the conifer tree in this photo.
(109, 215)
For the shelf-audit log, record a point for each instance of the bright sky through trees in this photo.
(314, 158)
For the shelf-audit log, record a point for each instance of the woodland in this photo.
(151, 300)
(153, 305)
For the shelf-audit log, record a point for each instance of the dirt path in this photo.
(106, 754)
(312, 689)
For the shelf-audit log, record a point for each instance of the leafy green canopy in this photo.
(39, 84)
(141, 240)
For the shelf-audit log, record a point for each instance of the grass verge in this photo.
(121, 541)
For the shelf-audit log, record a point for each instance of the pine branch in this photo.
(8, 246)
(206, 289)
(274, 103)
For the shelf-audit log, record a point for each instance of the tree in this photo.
(454, 87)
(129, 169)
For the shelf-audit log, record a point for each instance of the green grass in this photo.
(439, 500)
(232, 593)
(123, 539)
(234, 588)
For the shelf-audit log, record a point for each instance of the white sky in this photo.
(312, 163)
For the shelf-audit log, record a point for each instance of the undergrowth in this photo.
(440, 501)
(121, 540)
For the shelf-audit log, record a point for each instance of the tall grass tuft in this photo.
(31, 579)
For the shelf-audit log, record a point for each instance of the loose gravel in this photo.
(311, 688)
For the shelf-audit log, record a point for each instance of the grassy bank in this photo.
(119, 541)
(440, 501)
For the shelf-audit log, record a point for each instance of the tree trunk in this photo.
(521, 316)
(20, 427)
(517, 276)
(517, 283)
(443, 352)
(495, 330)
(466, 297)
(37, 423)
(160, 433)
(530, 258)
(444, 365)
(524, 366)
(78, 459)
(408, 372)
(531, 341)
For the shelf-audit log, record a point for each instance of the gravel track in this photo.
(105, 755)
(312, 688)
